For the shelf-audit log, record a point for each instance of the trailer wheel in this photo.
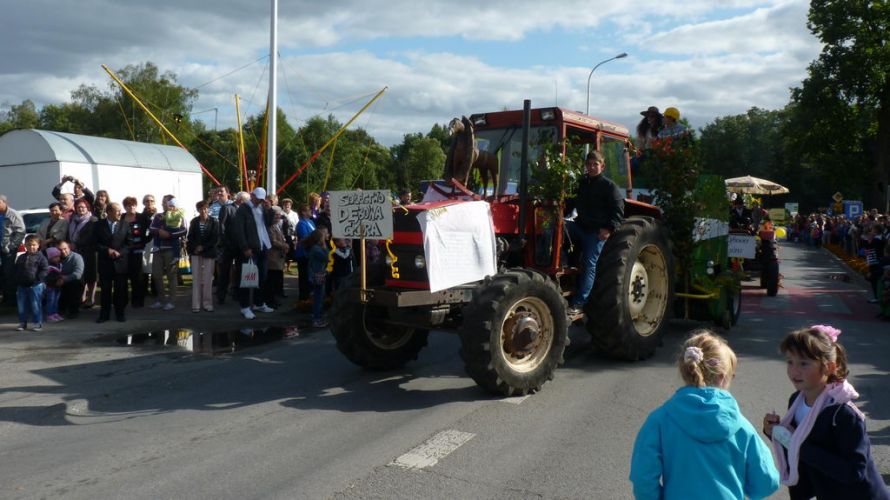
(634, 284)
(771, 278)
(733, 310)
(514, 333)
(364, 336)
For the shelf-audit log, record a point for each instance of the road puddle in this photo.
(212, 343)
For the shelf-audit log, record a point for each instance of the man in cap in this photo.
(672, 125)
(249, 232)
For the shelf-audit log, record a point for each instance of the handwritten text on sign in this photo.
(741, 246)
(353, 210)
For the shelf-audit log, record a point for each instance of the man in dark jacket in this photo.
(228, 247)
(110, 235)
(600, 207)
(248, 231)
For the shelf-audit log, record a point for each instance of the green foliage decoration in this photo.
(553, 173)
(673, 169)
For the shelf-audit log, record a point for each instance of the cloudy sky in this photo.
(709, 58)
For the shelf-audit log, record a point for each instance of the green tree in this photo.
(854, 67)
(416, 159)
(22, 115)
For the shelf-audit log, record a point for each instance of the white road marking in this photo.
(434, 449)
(515, 400)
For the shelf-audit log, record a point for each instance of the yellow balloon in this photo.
(781, 233)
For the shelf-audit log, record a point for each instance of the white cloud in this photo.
(706, 67)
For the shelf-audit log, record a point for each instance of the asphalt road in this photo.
(82, 416)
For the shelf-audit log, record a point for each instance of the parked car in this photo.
(32, 218)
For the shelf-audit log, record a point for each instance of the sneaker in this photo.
(54, 318)
(248, 314)
(208, 309)
(156, 305)
(196, 310)
(319, 323)
(872, 301)
(169, 306)
(37, 328)
(263, 309)
(20, 328)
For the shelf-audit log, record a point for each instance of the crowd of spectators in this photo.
(863, 237)
(90, 242)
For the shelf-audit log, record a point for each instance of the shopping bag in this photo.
(147, 259)
(185, 265)
(250, 275)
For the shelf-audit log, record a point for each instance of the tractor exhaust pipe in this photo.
(523, 169)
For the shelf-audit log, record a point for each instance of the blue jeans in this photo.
(317, 302)
(591, 247)
(29, 300)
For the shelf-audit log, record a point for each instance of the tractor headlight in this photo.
(710, 269)
(419, 262)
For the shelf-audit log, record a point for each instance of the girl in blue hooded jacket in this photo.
(698, 444)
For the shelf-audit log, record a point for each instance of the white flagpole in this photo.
(271, 150)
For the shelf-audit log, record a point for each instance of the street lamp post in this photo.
(215, 114)
(619, 56)
(587, 109)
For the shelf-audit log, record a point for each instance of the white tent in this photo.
(32, 162)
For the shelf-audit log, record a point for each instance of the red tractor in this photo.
(513, 324)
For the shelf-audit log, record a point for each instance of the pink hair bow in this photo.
(829, 331)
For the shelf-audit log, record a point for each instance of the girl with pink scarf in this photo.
(821, 446)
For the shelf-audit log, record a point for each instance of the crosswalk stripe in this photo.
(432, 450)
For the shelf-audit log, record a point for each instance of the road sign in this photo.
(838, 197)
(357, 214)
(852, 208)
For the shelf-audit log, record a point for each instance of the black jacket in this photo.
(104, 240)
(599, 202)
(30, 269)
(226, 217)
(208, 241)
(242, 229)
(835, 459)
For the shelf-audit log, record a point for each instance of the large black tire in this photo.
(514, 332)
(628, 306)
(363, 335)
(771, 278)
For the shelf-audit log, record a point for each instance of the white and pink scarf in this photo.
(835, 393)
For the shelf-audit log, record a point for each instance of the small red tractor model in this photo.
(513, 324)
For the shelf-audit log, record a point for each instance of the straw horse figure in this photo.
(464, 156)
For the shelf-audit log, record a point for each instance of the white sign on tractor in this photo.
(361, 214)
(741, 245)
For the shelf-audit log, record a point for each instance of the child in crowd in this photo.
(52, 292)
(821, 445)
(343, 262)
(317, 254)
(698, 444)
(30, 271)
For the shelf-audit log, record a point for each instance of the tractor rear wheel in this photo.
(634, 285)
(364, 336)
(514, 332)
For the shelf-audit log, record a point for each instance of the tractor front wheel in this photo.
(514, 333)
